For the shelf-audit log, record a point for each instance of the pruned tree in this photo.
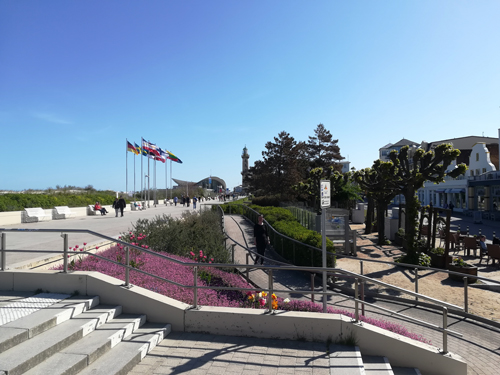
(322, 149)
(377, 182)
(412, 169)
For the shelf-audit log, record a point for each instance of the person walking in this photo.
(116, 207)
(194, 202)
(122, 204)
(175, 200)
(188, 200)
(261, 239)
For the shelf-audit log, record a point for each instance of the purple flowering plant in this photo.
(207, 276)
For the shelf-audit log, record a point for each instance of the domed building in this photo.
(214, 183)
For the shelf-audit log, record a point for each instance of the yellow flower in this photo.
(264, 294)
(275, 304)
(274, 296)
(251, 297)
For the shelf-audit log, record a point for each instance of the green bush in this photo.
(268, 200)
(192, 232)
(20, 201)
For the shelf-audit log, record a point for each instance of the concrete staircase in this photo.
(348, 360)
(59, 334)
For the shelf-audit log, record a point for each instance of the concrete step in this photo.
(405, 371)
(375, 365)
(130, 351)
(28, 354)
(29, 326)
(84, 352)
(346, 360)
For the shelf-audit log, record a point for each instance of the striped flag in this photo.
(131, 148)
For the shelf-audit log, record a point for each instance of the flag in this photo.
(131, 148)
(173, 157)
(139, 150)
(150, 148)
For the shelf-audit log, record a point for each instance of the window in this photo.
(477, 172)
(477, 156)
(471, 172)
(484, 170)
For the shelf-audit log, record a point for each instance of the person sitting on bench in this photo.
(98, 207)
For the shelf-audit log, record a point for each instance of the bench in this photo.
(91, 211)
(62, 212)
(34, 215)
(134, 208)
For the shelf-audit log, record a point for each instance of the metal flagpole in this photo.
(171, 181)
(149, 194)
(154, 182)
(166, 180)
(126, 164)
(142, 173)
(134, 178)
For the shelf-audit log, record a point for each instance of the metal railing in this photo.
(335, 271)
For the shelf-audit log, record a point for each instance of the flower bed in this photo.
(207, 276)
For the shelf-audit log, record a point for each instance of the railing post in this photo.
(356, 304)
(247, 269)
(361, 267)
(313, 275)
(195, 290)
(65, 252)
(127, 267)
(363, 297)
(4, 251)
(416, 283)
(270, 293)
(466, 295)
(293, 253)
(232, 251)
(445, 327)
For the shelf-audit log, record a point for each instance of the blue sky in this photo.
(203, 79)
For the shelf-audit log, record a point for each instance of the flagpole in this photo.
(154, 182)
(142, 173)
(166, 180)
(134, 178)
(126, 165)
(171, 185)
(149, 194)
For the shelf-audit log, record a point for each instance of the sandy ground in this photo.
(437, 285)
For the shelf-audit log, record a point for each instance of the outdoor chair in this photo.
(493, 253)
(455, 243)
(470, 243)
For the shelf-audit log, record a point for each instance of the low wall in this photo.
(400, 351)
(16, 217)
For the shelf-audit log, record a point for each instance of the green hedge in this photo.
(18, 202)
(285, 223)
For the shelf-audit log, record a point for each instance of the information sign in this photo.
(325, 193)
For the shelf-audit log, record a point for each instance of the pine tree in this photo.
(322, 149)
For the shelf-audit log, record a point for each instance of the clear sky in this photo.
(203, 79)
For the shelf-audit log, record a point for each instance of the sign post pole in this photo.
(325, 203)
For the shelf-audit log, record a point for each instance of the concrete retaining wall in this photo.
(400, 350)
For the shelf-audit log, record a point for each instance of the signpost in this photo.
(325, 196)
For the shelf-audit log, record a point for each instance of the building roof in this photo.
(405, 142)
(461, 143)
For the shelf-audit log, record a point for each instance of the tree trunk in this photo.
(381, 207)
(369, 216)
(411, 218)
